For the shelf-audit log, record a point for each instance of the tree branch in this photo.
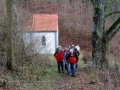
(111, 13)
(109, 3)
(113, 29)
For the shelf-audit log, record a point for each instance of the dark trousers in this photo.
(60, 66)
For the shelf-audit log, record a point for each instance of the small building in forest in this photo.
(41, 33)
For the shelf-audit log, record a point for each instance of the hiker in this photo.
(72, 46)
(65, 57)
(76, 52)
(78, 47)
(67, 64)
(72, 60)
(59, 55)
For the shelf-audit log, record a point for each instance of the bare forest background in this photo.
(75, 23)
(75, 26)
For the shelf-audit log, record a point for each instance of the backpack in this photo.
(72, 60)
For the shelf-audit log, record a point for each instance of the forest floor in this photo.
(46, 77)
(79, 82)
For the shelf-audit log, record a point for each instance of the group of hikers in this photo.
(67, 58)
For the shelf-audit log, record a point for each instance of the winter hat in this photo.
(71, 50)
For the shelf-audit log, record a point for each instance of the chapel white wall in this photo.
(36, 37)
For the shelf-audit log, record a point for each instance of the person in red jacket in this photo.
(59, 55)
(72, 60)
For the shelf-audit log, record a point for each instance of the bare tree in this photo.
(10, 57)
(101, 37)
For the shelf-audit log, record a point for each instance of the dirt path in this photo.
(79, 82)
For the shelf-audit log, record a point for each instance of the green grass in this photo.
(33, 78)
(43, 81)
(81, 63)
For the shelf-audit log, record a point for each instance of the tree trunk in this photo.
(99, 41)
(25, 2)
(9, 63)
(99, 51)
(19, 35)
(101, 37)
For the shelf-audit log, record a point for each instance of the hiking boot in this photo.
(73, 75)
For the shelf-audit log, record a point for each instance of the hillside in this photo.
(75, 19)
(23, 68)
(74, 27)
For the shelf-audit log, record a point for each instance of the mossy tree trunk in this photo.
(10, 57)
(99, 46)
(100, 36)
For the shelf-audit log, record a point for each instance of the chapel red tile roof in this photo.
(42, 22)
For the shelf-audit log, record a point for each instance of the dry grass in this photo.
(41, 74)
(37, 74)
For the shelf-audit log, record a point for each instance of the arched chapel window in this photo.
(43, 41)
